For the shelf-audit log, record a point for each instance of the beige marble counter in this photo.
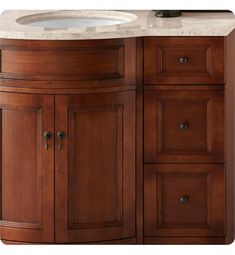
(144, 23)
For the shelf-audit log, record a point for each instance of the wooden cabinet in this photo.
(185, 123)
(117, 141)
(183, 126)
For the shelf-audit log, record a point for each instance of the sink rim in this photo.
(126, 17)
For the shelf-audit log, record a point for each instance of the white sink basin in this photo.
(76, 19)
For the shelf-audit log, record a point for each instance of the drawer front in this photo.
(184, 60)
(184, 126)
(184, 200)
(103, 60)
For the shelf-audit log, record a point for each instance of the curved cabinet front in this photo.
(95, 167)
(90, 149)
(27, 168)
(68, 141)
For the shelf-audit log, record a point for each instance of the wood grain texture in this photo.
(21, 132)
(27, 168)
(92, 63)
(162, 60)
(97, 180)
(79, 60)
(95, 161)
(139, 141)
(166, 110)
(58, 88)
(202, 215)
(111, 98)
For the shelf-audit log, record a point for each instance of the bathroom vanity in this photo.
(121, 133)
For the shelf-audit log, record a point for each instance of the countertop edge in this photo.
(145, 25)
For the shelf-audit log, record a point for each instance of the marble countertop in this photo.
(145, 24)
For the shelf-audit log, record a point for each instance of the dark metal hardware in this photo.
(183, 126)
(184, 200)
(167, 13)
(47, 135)
(183, 60)
(60, 136)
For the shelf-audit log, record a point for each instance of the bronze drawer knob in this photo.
(60, 136)
(184, 200)
(47, 135)
(183, 60)
(183, 126)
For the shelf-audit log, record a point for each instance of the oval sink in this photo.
(76, 19)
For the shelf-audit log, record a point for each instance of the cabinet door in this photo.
(95, 167)
(27, 211)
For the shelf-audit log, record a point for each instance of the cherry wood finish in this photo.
(109, 97)
(95, 168)
(79, 63)
(27, 168)
(183, 60)
(101, 60)
(181, 126)
(166, 213)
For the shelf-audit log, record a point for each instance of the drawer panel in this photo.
(184, 200)
(103, 60)
(184, 60)
(183, 126)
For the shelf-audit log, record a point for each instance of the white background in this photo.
(117, 249)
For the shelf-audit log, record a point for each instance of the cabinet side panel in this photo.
(229, 134)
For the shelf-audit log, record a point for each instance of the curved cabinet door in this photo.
(27, 198)
(95, 167)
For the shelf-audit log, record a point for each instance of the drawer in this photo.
(105, 61)
(184, 200)
(184, 60)
(184, 126)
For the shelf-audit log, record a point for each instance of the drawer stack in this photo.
(183, 138)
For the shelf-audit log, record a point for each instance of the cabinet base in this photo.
(120, 241)
(147, 240)
(184, 240)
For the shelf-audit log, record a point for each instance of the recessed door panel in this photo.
(95, 172)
